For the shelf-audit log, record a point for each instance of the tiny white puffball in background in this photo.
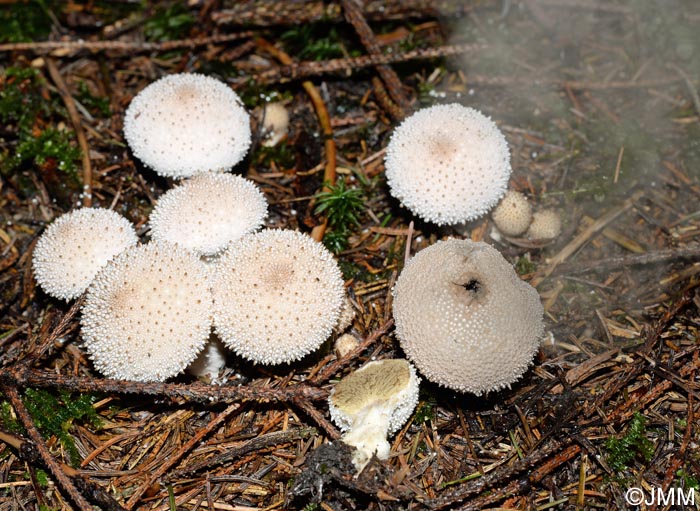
(345, 344)
(277, 296)
(208, 211)
(347, 314)
(448, 164)
(187, 123)
(546, 225)
(513, 214)
(147, 314)
(372, 403)
(75, 246)
(275, 123)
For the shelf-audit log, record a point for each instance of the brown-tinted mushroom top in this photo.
(513, 214)
(187, 123)
(465, 318)
(148, 313)
(277, 296)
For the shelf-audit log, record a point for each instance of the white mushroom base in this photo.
(368, 436)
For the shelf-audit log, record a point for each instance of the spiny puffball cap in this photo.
(187, 123)
(546, 225)
(207, 212)
(75, 246)
(465, 318)
(448, 164)
(148, 313)
(277, 296)
(513, 214)
(391, 384)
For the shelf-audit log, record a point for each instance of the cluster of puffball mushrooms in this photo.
(212, 278)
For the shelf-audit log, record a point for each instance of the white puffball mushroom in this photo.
(275, 123)
(513, 214)
(465, 318)
(345, 344)
(277, 296)
(448, 164)
(148, 313)
(208, 211)
(75, 246)
(187, 123)
(546, 225)
(372, 403)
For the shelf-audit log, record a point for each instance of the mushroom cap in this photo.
(208, 211)
(391, 384)
(546, 225)
(187, 123)
(465, 318)
(513, 214)
(277, 296)
(345, 344)
(148, 313)
(448, 164)
(75, 246)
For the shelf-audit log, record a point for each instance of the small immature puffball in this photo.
(148, 313)
(448, 164)
(187, 123)
(546, 225)
(513, 214)
(277, 296)
(275, 123)
(464, 317)
(207, 212)
(371, 403)
(75, 246)
(345, 344)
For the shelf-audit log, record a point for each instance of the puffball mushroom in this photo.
(464, 317)
(187, 123)
(275, 123)
(277, 296)
(546, 225)
(148, 313)
(75, 246)
(513, 214)
(208, 211)
(371, 403)
(448, 164)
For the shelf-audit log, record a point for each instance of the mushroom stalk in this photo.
(368, 435)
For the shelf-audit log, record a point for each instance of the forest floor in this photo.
(599, 103)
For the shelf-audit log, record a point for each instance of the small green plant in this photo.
(8, 421)
(54, 415)
(167, 24)
(281, 154)
(341, 205)
(622, 451)
(305, 43)
(689, 480)
(524, 265)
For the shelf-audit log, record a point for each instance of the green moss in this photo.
(281, 153)
(54, 415)
(169, 23)
(97, 105)
(524, 265)
(8, 422)
(621, 452)
(313, 42)
(688, 480)
(25, 21)
(342, 206)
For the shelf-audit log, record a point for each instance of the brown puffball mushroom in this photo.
(513, 214)
(464, 317)
(187, 123)
(208, 211)
(345, 344)
(148, 313)
(277, 296)
(75, 246)
(448, 164)
(372, 403)
(546, 225)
